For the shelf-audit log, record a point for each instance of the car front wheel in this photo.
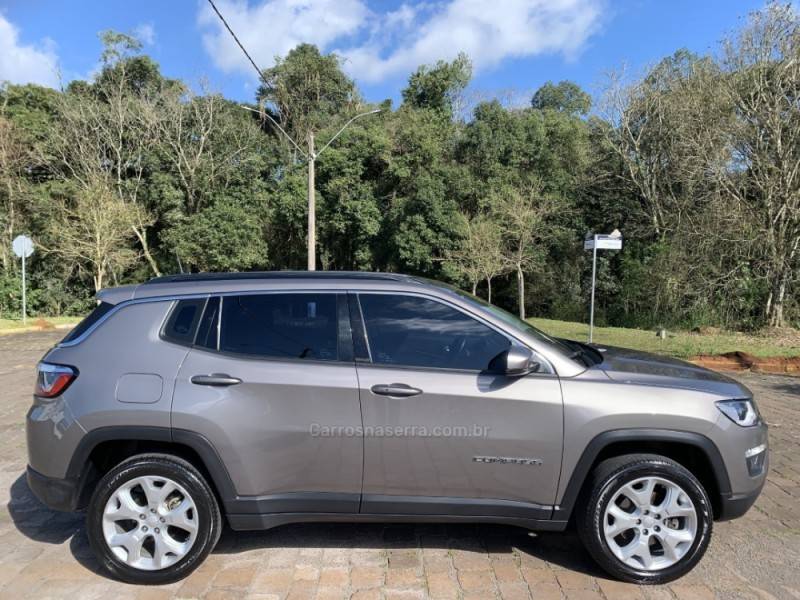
(153, 519)
(646, 520)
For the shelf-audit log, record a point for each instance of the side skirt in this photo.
(240, 522)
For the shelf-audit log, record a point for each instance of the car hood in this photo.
(633, 366)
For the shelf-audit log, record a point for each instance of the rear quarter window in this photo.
(182, 322)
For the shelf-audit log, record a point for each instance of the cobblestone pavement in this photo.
(44, 554)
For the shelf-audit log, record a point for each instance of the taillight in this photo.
(52, 380)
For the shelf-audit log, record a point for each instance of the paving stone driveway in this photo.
(44, 554)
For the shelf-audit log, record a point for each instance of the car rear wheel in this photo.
(153, 519)
(646, 520)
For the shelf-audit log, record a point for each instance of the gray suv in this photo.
(269, 398)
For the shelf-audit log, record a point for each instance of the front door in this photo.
(271, 383)
(442, 435)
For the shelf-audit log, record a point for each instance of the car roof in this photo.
(279, 275)
(213, 283)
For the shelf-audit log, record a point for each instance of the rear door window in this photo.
(418, 332)
(287, 326)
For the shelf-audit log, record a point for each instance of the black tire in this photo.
(209, 526)
(606, 480)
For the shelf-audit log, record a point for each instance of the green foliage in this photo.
(10, 295)
(226, 236)
(437, 87)
(287, 222)
(565, 96)
(421, 223)
(684, 162)
(307, 89)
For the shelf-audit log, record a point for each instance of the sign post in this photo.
(23, 247)
(596, 242)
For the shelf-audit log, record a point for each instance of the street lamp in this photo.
(311, 157)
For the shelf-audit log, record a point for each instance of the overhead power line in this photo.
(263, 112)
(236, 39)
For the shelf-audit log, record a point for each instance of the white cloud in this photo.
(488, 33)
(26, 64)
(377, 46)
(145, 33)
(272, 28)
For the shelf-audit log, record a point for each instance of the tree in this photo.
(124, 69)
(666, 131)
(525, 215)
(208, 143)
(761, 65)
(696, 161)
(565, 96)
(228, 235)
(421, 208)
(108, 132)
(25, 120)
(288, 212)
(349, 180)
(497, 147)
(653, 119)
(93, 232)
(480, 255)
(307, 90)
(15, 157)
(438, 87)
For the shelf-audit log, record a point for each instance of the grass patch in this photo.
(680, 344)
(12, 324)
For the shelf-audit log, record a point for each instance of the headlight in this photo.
(741, 412)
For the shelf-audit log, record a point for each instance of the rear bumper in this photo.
(54, 492)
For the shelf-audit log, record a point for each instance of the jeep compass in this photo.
(260, 399)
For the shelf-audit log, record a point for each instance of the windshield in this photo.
(514, 322)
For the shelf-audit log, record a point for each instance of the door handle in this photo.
(398, 390)
(215, 379)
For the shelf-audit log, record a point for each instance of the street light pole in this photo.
(311, 157)
(312, 208)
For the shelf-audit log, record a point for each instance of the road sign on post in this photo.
(23, 247)
(595, 242)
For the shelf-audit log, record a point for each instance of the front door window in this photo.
(412, 331)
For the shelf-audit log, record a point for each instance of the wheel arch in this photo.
(103, 448)
(692, 450)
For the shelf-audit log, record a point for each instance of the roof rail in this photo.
(363, 275)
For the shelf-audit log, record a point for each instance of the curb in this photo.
(742, 361)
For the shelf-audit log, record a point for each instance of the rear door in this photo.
(443, 435)
(271, 383)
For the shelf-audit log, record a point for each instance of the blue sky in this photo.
(516, 45)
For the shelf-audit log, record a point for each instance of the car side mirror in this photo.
(514, 362)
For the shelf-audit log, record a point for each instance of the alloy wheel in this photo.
(650, 523)
(150, 522)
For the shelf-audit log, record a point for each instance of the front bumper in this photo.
(733, 506)
(746, 477)
(54, 492)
